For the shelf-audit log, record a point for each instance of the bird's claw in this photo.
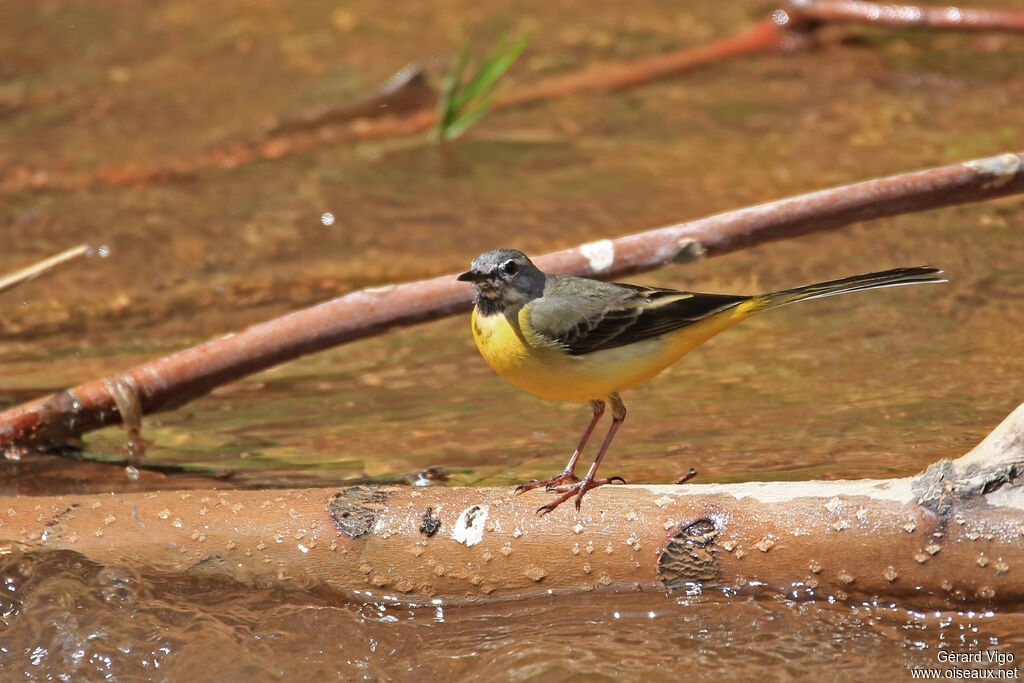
(526, 486)
(578, 488)
(550, 484)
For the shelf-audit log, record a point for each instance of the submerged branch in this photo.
(950, 537)
(405, 105)
(174, 380)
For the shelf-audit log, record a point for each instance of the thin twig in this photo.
(174, 380)
(25, 274)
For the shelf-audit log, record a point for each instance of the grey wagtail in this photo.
(575, 339)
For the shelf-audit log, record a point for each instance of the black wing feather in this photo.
(638, 314)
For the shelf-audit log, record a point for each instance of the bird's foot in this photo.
(578, 489)
(549, 483)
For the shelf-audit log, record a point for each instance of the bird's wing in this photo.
(588, 316)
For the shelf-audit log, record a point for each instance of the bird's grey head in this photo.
(503, 278)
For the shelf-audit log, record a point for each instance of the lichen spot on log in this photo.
(430, 525)
(535, 573)
(355, 509)
(688, 556)
(469, 527)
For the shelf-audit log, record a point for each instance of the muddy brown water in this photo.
(868, 385)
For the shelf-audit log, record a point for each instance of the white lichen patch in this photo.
(469, 527)
(1002, 168)
(1007, 496)
(600, 254)
(380, 289)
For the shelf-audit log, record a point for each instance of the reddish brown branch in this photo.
(816, 12)
(169, 382)
(766, 35)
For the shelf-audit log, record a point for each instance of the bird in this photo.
(577, 339)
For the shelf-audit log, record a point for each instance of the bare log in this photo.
(948, 537)
(174, 380)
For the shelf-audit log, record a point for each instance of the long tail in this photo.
(885, 278)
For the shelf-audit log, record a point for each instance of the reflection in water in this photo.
(68, 618)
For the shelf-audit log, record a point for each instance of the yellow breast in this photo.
(533, 363)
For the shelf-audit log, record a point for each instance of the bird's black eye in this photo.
(509, 268)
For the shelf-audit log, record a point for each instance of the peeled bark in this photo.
(950, 536)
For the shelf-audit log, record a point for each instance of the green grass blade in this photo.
(467, 119)
(446, 109)
(460, 105)
(494, 66)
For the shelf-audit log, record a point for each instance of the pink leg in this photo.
(568, 475)
(588, 482)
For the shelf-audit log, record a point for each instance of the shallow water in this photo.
(87, 622)
(871, 385)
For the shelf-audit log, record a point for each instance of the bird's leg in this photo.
(568, 475)
(588, 482)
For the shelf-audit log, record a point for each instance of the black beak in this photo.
(471, 276)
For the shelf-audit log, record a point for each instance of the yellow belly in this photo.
(530, 363)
